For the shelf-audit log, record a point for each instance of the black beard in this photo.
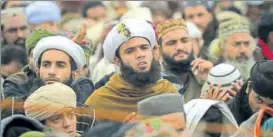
(42, 83)
(141, 79)
(16, 43)
(178, 67)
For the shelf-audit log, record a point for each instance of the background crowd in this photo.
(136, 68)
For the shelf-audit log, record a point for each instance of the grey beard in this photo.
(244, 68)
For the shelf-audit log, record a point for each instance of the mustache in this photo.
(20, 41)
(242, 56)
(52, 79)
(179, 52)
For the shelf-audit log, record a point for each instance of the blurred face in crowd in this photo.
(137, 62)
(158, 18)
(11, 68)
(97, 13)
(238, 47)
(176, 49)
(199, 15)
(16, 30)
(253, 13)
(256, 102)
(55, 66)
(64, 121)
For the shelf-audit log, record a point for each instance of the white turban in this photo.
(124, 31)
(49, 99)
(60, 43)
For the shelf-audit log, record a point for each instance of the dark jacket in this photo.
(20, 85)
(239, 105)
(16, 125)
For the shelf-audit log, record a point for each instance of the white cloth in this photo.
(104, 67)
(117, 36)
(196, 109)
(60, 43)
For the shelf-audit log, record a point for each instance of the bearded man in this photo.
(178, 58)
(234, 46)
(129, 45)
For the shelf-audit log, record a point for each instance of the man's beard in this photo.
(68, 82)
(244, 68)
(19, 42)
(141, 79)
(178, 67)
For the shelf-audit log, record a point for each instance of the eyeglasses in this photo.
(14, 30)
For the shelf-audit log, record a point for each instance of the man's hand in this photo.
(201, 68)
(79, 38)
(215, 93)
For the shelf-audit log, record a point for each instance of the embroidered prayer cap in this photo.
(235, 25)
(124, 31)
(169, 25)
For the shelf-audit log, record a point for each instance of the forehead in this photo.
(174, 35)
(15, 21)
(243, 36)
(134, 42)
(195, 9)
(55, 55)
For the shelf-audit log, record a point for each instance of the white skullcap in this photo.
(224, 74)
(60, 43)
(116, 37)
(49, 99)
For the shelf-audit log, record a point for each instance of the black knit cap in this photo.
(265, 26)
(262, 78)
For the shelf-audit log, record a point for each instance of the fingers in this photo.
(222, 94)
(216, 92)
(232, 92)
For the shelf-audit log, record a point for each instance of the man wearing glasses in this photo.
(14, 27)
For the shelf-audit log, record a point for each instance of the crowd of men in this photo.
(136, 69)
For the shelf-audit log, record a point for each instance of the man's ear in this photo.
(76, 74)
(117, 61)
(248, 87)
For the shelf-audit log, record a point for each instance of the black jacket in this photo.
(16, 125)
(239, 105)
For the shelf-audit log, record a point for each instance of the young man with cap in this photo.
(54, 106)
(43, 15)
(255, 93)
(129, 45)
(234, 45)
(56, 59)
(178, 58)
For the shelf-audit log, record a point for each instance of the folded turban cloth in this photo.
(262, 78)
(124, 31)
(49, 99)
(169, 25)
(63, 44)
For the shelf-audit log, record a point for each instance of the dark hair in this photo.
(89, 5)
(265, 26)
(72, 62)
(13, 53)
(233, 9)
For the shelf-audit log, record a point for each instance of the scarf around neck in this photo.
(119, 98)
